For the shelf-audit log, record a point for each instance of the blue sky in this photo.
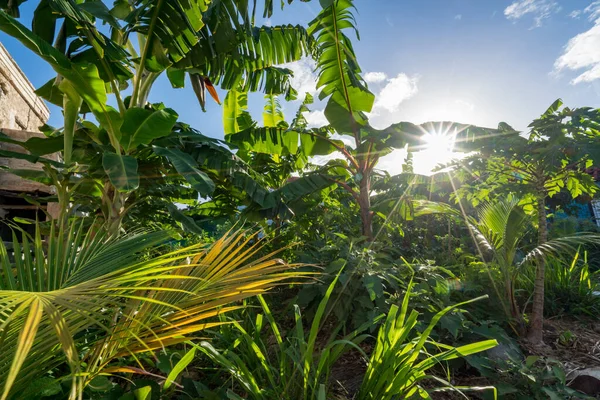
(472, 61)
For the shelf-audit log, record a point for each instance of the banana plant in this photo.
(211, 42)
(348, 100)
(274, 155)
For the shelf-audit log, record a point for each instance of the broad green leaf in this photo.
(188, 224)
(122, 170)
(236, 117)
(259, 194)
(317, 143)
(32, 175)
(188, 168)
(303, 186)
(42, 146)
(99, 10)
(143, 393)
(529, 361)
(141, 126)
(30, 157)
(266, 140)
(176, 77)
(44, 21)
(554, 107)
(339, 73)
(71, 105)
(341, 119)
(84, 77)
(272, 114)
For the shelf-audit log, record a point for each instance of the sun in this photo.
(438, 149)
(439, 144)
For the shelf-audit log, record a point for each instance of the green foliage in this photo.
(295, 367)
(500, 233)
(339, 73)
(570, 287)
(212, 41)
(400, 361)
(533, 378)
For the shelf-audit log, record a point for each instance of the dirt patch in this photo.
(575, 343)
(347, 374)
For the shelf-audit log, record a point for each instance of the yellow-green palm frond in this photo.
(86, 298)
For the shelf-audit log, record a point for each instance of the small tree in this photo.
(553, 157)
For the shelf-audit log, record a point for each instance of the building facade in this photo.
(20, 108)
(22, 113)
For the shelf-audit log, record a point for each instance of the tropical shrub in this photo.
(501, 235)
(534, 377)
(138, 153)
(571, 289)
(296, 366)
(402, 356)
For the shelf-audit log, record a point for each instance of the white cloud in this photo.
(396, 90)
(375, 77)
(575, 14)
(593, 9)
(539, 9)
(305, 77)
(348, 141)
(316, 119)
(581, 52)
(458, 17)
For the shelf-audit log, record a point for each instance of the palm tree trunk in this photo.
(536, 334)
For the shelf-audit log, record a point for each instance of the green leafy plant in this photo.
(570, 287)
(551, 158)
(402, 357)
(567, 338)
(500, 233)
(296, 366)
(535, 377)
(108, 159)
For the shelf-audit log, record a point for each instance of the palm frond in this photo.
(562, 248)
(116, 296)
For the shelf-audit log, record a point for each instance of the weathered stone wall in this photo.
(20, 108)
(21, 115)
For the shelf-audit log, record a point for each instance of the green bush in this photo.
(569, 287)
